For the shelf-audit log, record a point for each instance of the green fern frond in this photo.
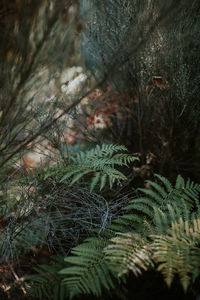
(166, 202)
(133, 220)
(47, 283)
(98, 162)
(168, 232)
(180, 182)
(178, 253)
(165, 182)
(161, 230)
(129, 252)
(90, 273)
(184, 195)
(174, 248)
(156, 197)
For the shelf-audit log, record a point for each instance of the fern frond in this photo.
(180, 182)
(98, 162)
(165, 182)
(47, 283)
(90, 273)
(178, 253)
(161, 229)
(183, 197)
(154, 196)
(129, 252)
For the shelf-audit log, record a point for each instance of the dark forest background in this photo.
(99, 149)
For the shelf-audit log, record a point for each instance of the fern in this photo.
(129, 252)
(172, 238)
(98, 162)
(90, 271)
(47, 282)
(165, 235)
(177, 252)
(160, 195)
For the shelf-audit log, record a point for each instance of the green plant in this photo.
(162, 235)
(177, 251)
(168, 234)
(163, 79)
(183, 197)
(34, 212)
(99, 162)
(86, 272)
(90, 272)
(47, 282)
(129, 44)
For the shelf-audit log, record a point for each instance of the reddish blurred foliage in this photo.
(106, 104)
(160, 82)
(5, 271)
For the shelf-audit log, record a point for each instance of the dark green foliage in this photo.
(138, 40)
(99, 161)
(55, 214)
(146, 53)
(169, 233)
(158, 239)
(183, 197)
(90, 273)
(47, 282)
(150, 49)
(175, 251)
